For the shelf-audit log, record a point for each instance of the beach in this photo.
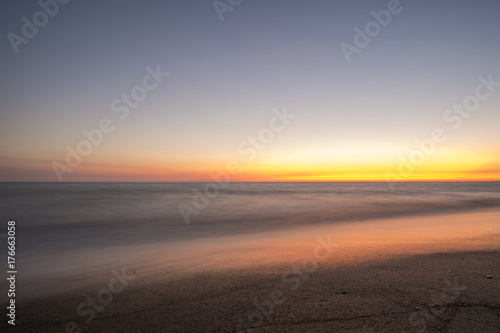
(441, 292)
(294, 258)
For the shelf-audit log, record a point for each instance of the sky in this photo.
(261, 90)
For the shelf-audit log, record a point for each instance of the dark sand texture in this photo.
(443, 292)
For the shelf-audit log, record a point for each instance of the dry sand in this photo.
(441, 292)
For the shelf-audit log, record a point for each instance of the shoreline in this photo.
(392, 295)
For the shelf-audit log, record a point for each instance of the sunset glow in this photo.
(282, 101)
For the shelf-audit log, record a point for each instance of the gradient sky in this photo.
(353, 121)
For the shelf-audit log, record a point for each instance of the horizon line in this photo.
(296, 181)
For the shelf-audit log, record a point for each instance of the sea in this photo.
(72, 229)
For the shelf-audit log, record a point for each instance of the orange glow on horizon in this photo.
(267, 168)
(268, 172)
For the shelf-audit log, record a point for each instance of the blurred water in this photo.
(60, 216)
(70, 233)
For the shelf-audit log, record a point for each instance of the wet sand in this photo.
(417, 274)
(440, 292)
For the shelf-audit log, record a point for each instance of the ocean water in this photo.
(68, 215)
(74, 227)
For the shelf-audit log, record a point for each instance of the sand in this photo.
(440, 292)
